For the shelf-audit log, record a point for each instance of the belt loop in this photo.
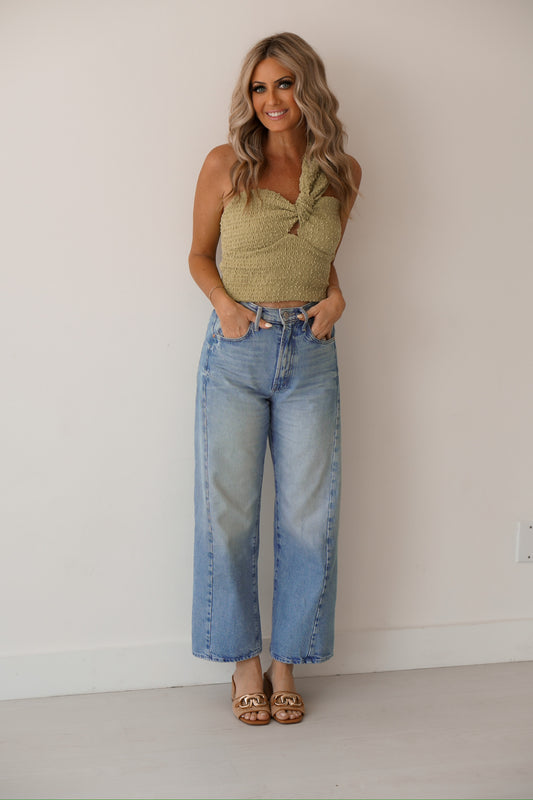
(258, 318)
(306, 317)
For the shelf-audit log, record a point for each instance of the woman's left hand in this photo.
(326, 313)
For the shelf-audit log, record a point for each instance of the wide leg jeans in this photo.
(277, 385)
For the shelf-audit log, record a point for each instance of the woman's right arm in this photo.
(213, 184)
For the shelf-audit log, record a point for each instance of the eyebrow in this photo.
(278, 80)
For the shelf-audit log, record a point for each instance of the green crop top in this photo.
(262, 261)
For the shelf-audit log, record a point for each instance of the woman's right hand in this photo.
(234, 318)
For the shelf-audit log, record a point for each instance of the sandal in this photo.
(284, 701)
(247, 703)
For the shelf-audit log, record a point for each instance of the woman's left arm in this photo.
(329, 311)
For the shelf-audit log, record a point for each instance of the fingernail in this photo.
(268, 325)
(300, 316)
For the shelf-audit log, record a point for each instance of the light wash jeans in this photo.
(278, 384)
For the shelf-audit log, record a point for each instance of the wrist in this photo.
(213, 289)
(223, 303)
(336, 299)
(334, 289)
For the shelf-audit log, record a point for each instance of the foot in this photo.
(249, 680)
(282, 680)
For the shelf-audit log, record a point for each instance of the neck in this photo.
(289, 145)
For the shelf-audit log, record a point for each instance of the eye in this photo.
(258, 89)
(285, 84)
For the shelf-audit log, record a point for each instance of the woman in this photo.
(278, 196)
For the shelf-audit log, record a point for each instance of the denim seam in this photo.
(255, 587)
(279, 379)
(210, 537)
(331, 514)
(276, 519)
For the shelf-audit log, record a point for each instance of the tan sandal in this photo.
(284, 701)
(248, 703)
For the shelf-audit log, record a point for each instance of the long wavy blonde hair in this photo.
(316, 101)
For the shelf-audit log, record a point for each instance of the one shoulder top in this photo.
(262, 261)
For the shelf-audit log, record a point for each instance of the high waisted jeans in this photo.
(278, 384)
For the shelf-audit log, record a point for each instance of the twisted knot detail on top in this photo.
(304, 207)
(274, 250)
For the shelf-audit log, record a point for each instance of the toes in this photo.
(254, 716)
(285, 715)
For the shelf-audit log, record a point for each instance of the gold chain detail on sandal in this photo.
(287, 700)
(252, 700)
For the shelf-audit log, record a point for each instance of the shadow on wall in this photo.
(379, 339)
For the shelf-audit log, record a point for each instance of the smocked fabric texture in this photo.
(274, 250)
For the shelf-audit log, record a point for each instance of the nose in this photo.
(272, 97)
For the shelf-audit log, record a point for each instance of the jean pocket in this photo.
(312, 338)
(219, 335)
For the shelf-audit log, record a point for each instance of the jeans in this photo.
(279, 385)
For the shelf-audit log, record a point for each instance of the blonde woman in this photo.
(278, 196)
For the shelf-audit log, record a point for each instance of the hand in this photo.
(326, 314)
(234, 318)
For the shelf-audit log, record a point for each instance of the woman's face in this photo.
(272, 88)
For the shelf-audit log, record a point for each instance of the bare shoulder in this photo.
(215, 173)
(219, 160)
(356, 171)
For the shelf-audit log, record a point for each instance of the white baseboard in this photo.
(164, 664)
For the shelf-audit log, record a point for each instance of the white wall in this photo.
(108, 109)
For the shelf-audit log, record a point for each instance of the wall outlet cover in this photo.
(524, 542)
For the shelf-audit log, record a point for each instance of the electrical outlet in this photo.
(524, 542)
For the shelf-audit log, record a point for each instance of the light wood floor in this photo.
(461, 732)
